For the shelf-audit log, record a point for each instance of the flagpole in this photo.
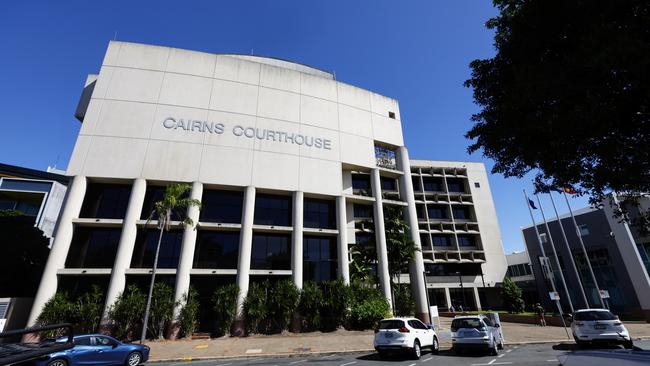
(573, 262)
(541, 247)
(557, 261)
(584, 251)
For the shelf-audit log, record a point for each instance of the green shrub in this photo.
(162, 309)
(512, 296)
(256, 307)
(283, 302)
(225, 307)
(311, 299)
(127, 312)
(367, 306)
(404, 301)
(188, 314)
(334, 308)
(88, 308)
(57, 309)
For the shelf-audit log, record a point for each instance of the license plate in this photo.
(600, 326)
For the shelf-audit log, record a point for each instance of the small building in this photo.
(521, 272)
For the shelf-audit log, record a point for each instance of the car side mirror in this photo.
(430, 326)
(497, 325)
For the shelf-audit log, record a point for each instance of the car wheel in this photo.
(58, 362)
(133, 359)
(628, 344)
(494, 351)
(500, 345)
(417, 351)
(435, 347)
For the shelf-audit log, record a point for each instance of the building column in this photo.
(630, 256)
(125, 246)
(448, 298)
(342, 252)
(244, 265)
(186, 258)
(477, 299)
(416, 267)
(60, 246)
(380, 238)
(296, 239)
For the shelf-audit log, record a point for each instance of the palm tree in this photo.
(174, 204)
(401, 249)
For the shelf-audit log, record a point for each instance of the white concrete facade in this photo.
(259, 126)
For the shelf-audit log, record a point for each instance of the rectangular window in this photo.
(462, 213)
(154, 194)
(319, 258)
(543, 238)
(145, 248)
(222, 206)
(416, 183)
(364, 238)
(441, 240)
(93, 248)
(391, 114)
(105, 201)
(437, 212)
(271, 251)
(466, 241)
(319, 214)
(362, 211)
(432, 184)
(216, 249)
(388, 184)
(455, 185)
(477, 184)
(272, 210)
(584, 230)
(361, 184)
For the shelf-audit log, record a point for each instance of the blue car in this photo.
(98, 349)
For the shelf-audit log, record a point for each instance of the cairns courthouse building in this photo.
(292, 168)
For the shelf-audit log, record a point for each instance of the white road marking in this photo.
(508, 351)
(328, 356)
(551, 360)
(349, 363)
(427, 359)
(492, 363)
(412, 364)
(501, 355)
(299, 361)
(223, 364)
(254, 350)
(516, 347)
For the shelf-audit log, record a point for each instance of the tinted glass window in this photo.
(319, 214)
(391, 324)
(103, 341)
(319, 258)
(25, 185)
(388, 184)
(416, 183)
(441, 240)
(82, 341)
(145, 248)
(437, 212)
(362, 211)
(216, 249)
(271, 252)
(466, 241)
(93, 247)
(432, 184)
(272, 210)
(594, 315)
(222, 206)
(361, 181)
(461, 213)
(153, 195)
(465, 323)
(106, 201)
(455, 185)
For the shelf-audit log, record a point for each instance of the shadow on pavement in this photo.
(575, 347)
(402, 357)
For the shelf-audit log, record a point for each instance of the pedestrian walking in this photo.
(540, 315)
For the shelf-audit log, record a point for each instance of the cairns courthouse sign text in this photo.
(218, 128)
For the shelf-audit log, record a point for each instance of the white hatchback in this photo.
(599, 325)
(405, 335)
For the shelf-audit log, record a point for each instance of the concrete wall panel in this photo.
(229, 96)
(142, 56)
(135, 85)
(229, 68)
(191, 62)
(186, 90)
(178, 160)
(224, 164)
(279, 104)
(279, 78)
(355, 121)
(275, 171)
(317, 176)
(114, 157)
(318, 112)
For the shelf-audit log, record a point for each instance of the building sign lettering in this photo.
(247, 132)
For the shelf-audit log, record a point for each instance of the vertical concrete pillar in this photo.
(244, 265)
(186, 257)
(448, 298)
(60, 246)
(380, 237)
(416, 267)
(296, 239)
(125, 247)
(342, 252)
(477, 299)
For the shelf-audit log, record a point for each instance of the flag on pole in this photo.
(569, 190)
(532, 204)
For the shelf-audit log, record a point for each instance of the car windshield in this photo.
(594, 315)
(466, 323)
(391, 324)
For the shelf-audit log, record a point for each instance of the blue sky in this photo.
(415, 51)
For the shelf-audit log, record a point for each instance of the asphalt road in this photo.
(529, 355)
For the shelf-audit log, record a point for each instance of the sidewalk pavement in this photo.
(340, 341)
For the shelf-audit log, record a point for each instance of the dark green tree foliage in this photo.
(311, 299)
(404, 301)
(363, 257)
(126, 313)
(401, 249)
(512, 296)
(567, 94)
(256, 307)
(336, 300)
(162, 309)
(24, 254)
(283, 301)
(84, 313)
(367, 306)
(189, 312)
(225, 307)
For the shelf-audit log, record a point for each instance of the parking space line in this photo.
(501, 355)
(349, 363)
(412, 364)
(299, 361)
(508, 351)
(224, 364)
(427, 359)
(492, 363)
(551, 360)
(328, 356)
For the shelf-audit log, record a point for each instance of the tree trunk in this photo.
(153, 279)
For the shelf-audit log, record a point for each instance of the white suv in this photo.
(599, 325)
(408, 335)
